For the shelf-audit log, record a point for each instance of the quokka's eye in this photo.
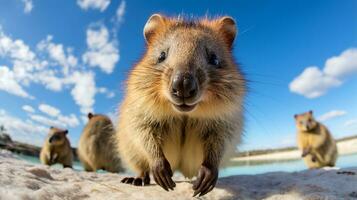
(162, 57)
(213, 59)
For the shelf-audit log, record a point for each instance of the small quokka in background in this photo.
(183, 104)
(96, 149)
(57, 148)
(315, 141)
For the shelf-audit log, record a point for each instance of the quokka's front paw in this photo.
(206, 180)
(162, 173)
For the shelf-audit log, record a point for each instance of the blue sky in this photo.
(61, 59)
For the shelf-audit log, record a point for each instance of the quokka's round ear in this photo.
(152, 25)
(90, 115)
(228, 29)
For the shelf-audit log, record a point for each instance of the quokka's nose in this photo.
(184, 86)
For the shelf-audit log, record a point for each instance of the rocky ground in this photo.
(21, 180)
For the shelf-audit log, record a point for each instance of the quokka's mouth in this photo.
(184, 107)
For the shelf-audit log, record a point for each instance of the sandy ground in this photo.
(21, 180)
(344, 148)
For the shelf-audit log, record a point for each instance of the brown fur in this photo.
(315, 141)
(96, 145)
(57, 151)
(150, 128)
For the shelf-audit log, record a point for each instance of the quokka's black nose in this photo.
(184, 86)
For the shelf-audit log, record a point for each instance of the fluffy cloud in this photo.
(50, 80)
(313, 82)
(343, 65)
(29, 68)
(58, 54)
(49, 110)
(25, 131)
(120, 12)
(24, 63)
(102, 52)
(28, 6)
(54, 117)
(55, 67)
(351, 123)
(103, 90)
(93, 4)
(46, 121)
(69, 121)
(15, 49)
(332, 114)
(20, 55)
(28, 108)
(9, 83)
(84, 90)
(61, 121)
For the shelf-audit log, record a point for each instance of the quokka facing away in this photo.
(315, 141)
(96, 148)
(57, 148)
(183, 104)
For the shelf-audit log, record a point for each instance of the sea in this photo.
(243, 168)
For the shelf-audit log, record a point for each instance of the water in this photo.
(245, 168)
(343, 161)
(76, 164)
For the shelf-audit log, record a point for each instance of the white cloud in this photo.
(28, 68)
(103, 90)
(15, 49)
(50, 80)
(351, 123)
(120, 12)
(110, 94)
(61, 121)
(69, 121)
(28, 108)
(43, 69)
(313, 82)
(47, 121)
(49, 110)
(23, 59)
(24, 63)
(342, 65)
(20, 130)
(9, 83)
(58, 53)
(332, 114)
(93, 4)
(84, 90)
(28, 6)
(54, 117)
(102, 52)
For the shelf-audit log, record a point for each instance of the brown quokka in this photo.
(315, 141)
(57, 148)
(96, 149)
(183, 104)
